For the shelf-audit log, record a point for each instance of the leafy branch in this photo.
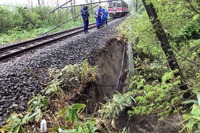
(193, 118)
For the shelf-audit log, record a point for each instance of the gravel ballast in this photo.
(25, 76)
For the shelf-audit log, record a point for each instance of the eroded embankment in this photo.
(111, 62)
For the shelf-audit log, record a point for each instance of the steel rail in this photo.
(9, 51)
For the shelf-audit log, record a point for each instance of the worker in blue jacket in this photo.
(104, 16)
(85, 16)
(98, 17)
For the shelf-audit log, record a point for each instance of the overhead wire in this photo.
(73, 17)
(60, 6)
(66, 22)
(88, 3)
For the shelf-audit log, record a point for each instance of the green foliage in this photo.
(114, 106)
(180, 20)
(24, 18)
(6, 17)
(72, 76)
(156, 97)
(15, 123)
(72, 115)
(82, 73)
(54, 88)
(190, 31)
(193, 119)
(71, 112)
(88, 126)
(149, 98)
(37, 105)
(16, 35)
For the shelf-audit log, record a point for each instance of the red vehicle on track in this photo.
(117, 8)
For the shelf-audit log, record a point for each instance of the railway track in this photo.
(6, 52)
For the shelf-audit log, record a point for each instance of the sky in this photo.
(34, 2)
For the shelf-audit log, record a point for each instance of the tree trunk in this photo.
(74, 9)
(71, 9)
(43, 2)
(30, 2)
(91, 6)
(165, 44)
(57, 3)
(136, 5)
(39, 4)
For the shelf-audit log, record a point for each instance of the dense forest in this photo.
(154, 88)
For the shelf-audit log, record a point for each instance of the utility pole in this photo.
(165, 45)
(136, 5)
(74, 9)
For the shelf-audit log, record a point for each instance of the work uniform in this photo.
(98, 17)
(104, 16)
(85, 15)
